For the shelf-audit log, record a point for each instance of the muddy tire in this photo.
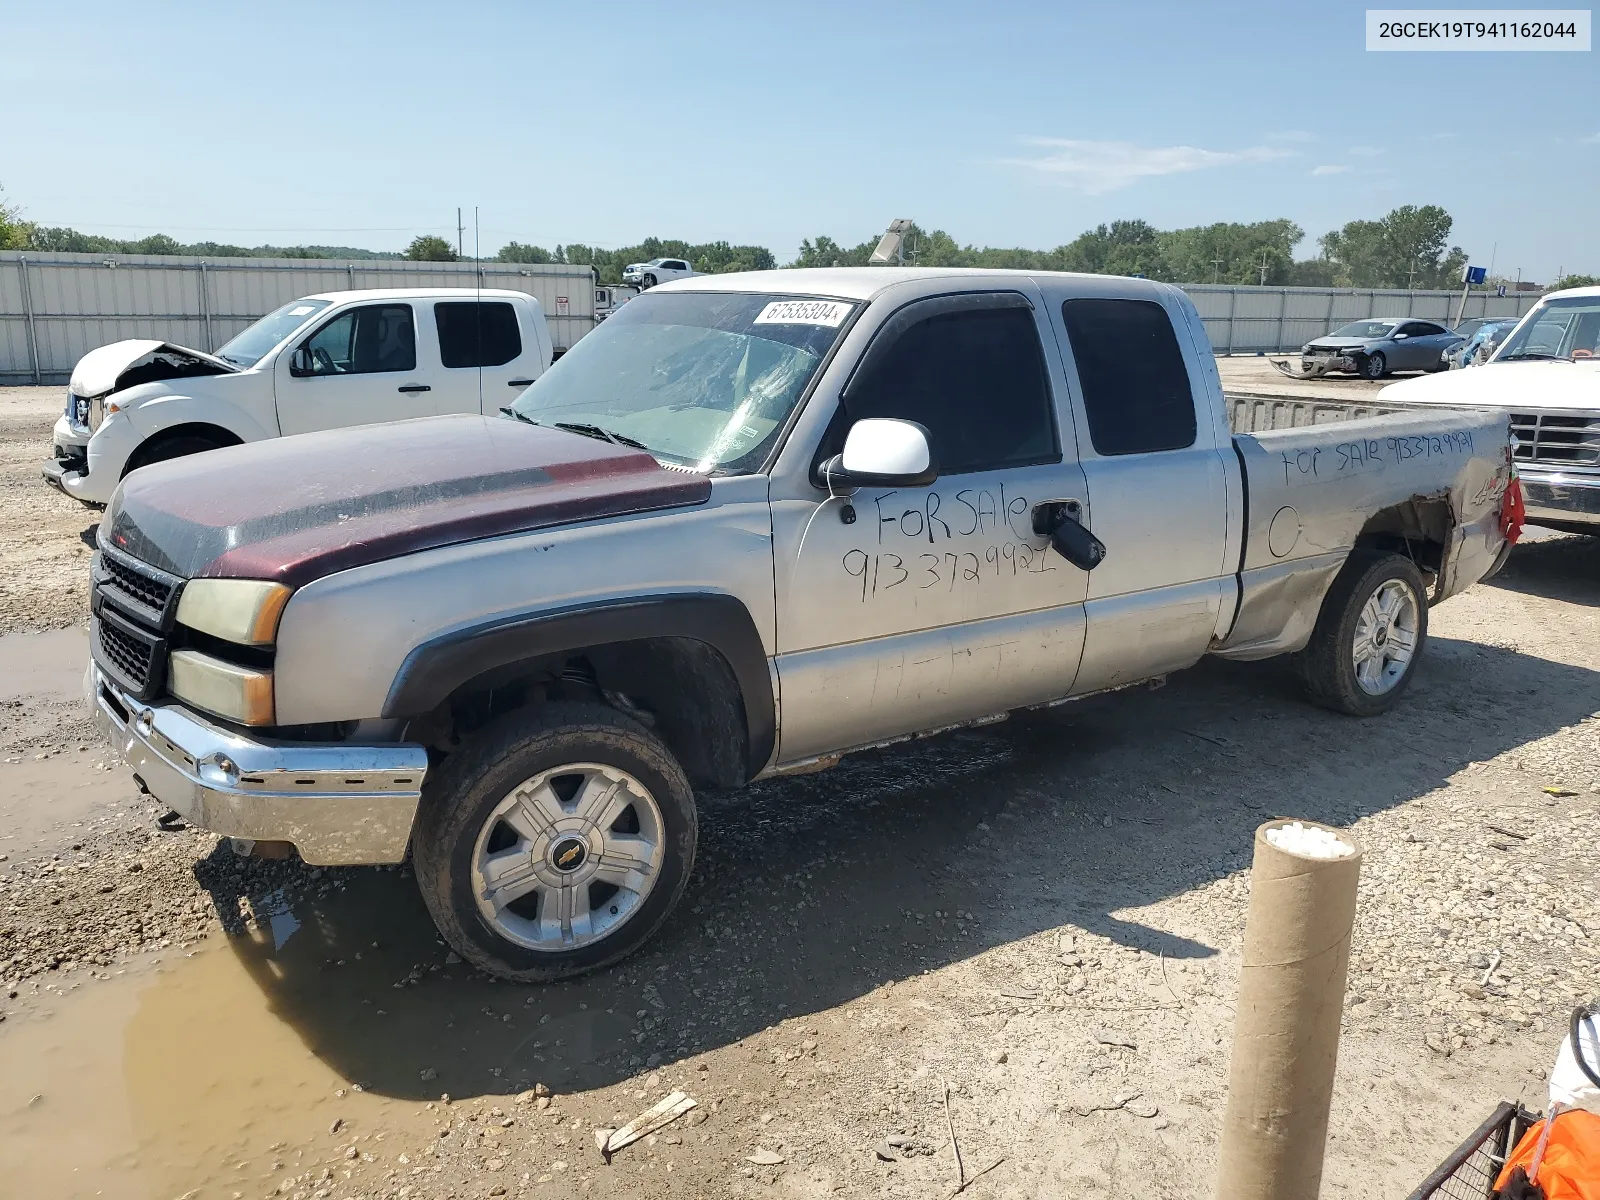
(1369, 636)
(554, 841)
(1375, 366)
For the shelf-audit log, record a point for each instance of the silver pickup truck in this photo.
(751, 523)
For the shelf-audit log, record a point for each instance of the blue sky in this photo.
(1003, 123)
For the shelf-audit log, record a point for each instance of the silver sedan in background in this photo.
(1374, 347)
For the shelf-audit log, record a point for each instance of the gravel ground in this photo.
(44, 581)
(1044, 915)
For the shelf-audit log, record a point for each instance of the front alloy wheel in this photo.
(568, 856)
(554, 841)
(1375, 366)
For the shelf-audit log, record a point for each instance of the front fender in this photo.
(169, 410)
(436, 669)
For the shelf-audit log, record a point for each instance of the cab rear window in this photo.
(477, 334)
(1135, 384)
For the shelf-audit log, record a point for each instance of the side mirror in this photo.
(1400, 337)
(883, 452)
(300, 362)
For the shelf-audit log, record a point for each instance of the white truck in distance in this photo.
(321, 362)
(657, 270)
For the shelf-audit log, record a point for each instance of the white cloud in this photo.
(1363, 151)
(1330, 169)
(1095, 168)
(1592, 140)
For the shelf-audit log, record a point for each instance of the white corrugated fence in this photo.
(54, 308)
(1243, 320)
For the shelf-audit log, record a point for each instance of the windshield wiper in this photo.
(511, 412)
(1531, 354)
(594, 431)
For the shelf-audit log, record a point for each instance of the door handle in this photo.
(1059, 521)
(518, 382)
(1047, 514)
(415, 387)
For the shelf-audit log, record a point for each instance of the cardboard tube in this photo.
(1286, 1028)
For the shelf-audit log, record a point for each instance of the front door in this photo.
(914, 608)
(358, 368)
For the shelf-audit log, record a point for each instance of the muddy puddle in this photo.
(49, 664)
(222, 1072)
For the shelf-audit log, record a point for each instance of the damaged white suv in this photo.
(321, 362)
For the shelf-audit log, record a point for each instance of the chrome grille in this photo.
(1556, 439)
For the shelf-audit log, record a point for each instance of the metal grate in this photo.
(1561, 439)
(1470, 1172)
(131, 657)
(148, 590)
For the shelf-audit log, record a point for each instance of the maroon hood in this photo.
(294, 509)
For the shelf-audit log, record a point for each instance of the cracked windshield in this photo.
(703, 379)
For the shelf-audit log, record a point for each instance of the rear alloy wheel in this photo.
(1369, 635)
(554, 842)
(1376, 366)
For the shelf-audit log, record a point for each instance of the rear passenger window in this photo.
(473, 334)
(1135, 384)
(976, 379)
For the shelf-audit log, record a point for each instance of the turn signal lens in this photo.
(233, 692)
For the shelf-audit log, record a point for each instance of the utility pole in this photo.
(460, 234)
(1216, 270)
(1263, 268)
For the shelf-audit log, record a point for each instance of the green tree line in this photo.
(711, 258)
(1406, 248)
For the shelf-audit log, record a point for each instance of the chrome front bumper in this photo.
(337, 803)
(1559, 498)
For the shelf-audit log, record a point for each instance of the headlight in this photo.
(245, 611)
(223, 688)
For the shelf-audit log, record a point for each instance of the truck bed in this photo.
(1256, 414)
(1322, 475)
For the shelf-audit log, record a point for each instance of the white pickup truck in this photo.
(1545, 376)
(750, 523)
(321, 362)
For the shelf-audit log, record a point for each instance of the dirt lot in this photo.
(1043, 914)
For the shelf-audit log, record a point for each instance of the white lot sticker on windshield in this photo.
(302, 309)
(804, 312)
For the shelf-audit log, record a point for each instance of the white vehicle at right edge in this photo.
(1546, 375)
